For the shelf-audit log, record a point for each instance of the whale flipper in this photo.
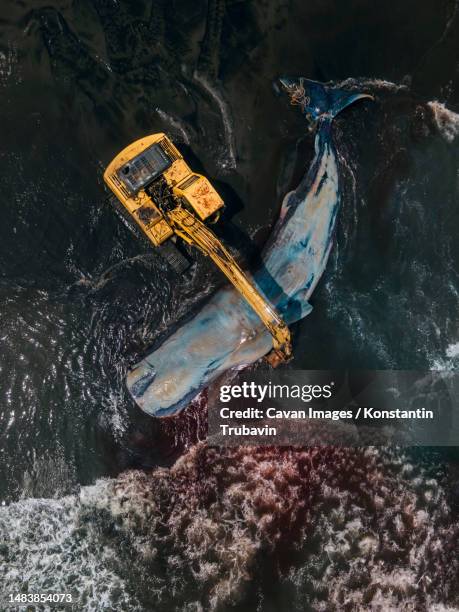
(297, 307)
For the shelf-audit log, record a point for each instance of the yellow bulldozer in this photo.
(160, 196)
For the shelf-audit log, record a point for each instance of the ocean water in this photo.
(244, 529)
(133, 514)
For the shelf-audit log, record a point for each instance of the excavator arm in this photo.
(193, 231)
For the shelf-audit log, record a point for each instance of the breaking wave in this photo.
(347, 529)
(372, 85)
(450, 361)
(446, 120)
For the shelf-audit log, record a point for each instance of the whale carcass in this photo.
(226, 333)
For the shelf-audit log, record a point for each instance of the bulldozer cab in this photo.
(150, 178)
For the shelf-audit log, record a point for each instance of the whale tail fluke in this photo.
(317, 100)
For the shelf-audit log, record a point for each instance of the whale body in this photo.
(226, 333)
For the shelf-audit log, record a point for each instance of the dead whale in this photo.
(226, 333)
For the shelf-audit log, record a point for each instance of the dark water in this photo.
(81, 299)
